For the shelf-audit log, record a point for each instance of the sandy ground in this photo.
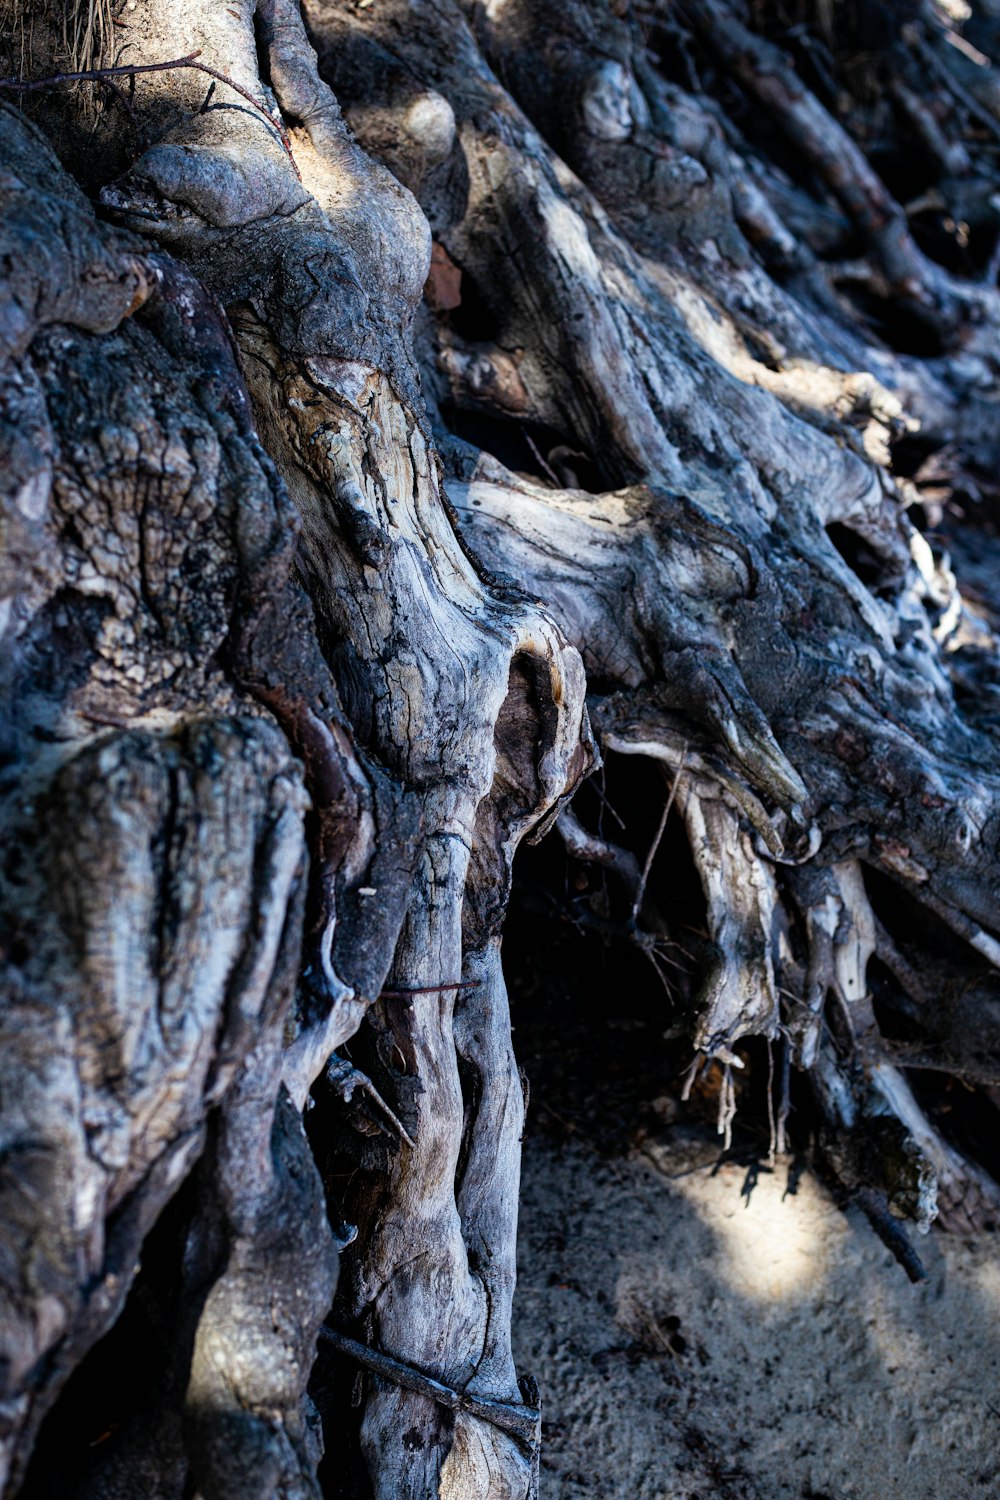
(696, 1333)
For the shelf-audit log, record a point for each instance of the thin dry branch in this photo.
(132, 70)
(522, 1422)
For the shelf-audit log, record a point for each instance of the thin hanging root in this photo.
(697, 1063)
(87, 29)
(785, 1103)
(727, 1107)
(727, 1090)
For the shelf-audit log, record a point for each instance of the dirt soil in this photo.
(699, 1331)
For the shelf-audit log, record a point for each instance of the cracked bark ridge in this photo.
(157, 823)
(286, 689)
(440, 709)
(472, 698)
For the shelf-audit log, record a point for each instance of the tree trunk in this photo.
(405, 406)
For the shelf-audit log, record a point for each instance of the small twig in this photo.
(430, 989)
(598, 786)
(123, 100)
(522, 1422)
(131, 70)
(95, 75)
(659, 972)
(644, 877)
(345, 1078)
(531, 444)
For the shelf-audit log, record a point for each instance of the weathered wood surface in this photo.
(319, 597)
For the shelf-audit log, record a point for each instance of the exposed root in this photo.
(686, 534)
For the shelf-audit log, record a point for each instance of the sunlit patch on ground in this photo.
(698, 1331)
